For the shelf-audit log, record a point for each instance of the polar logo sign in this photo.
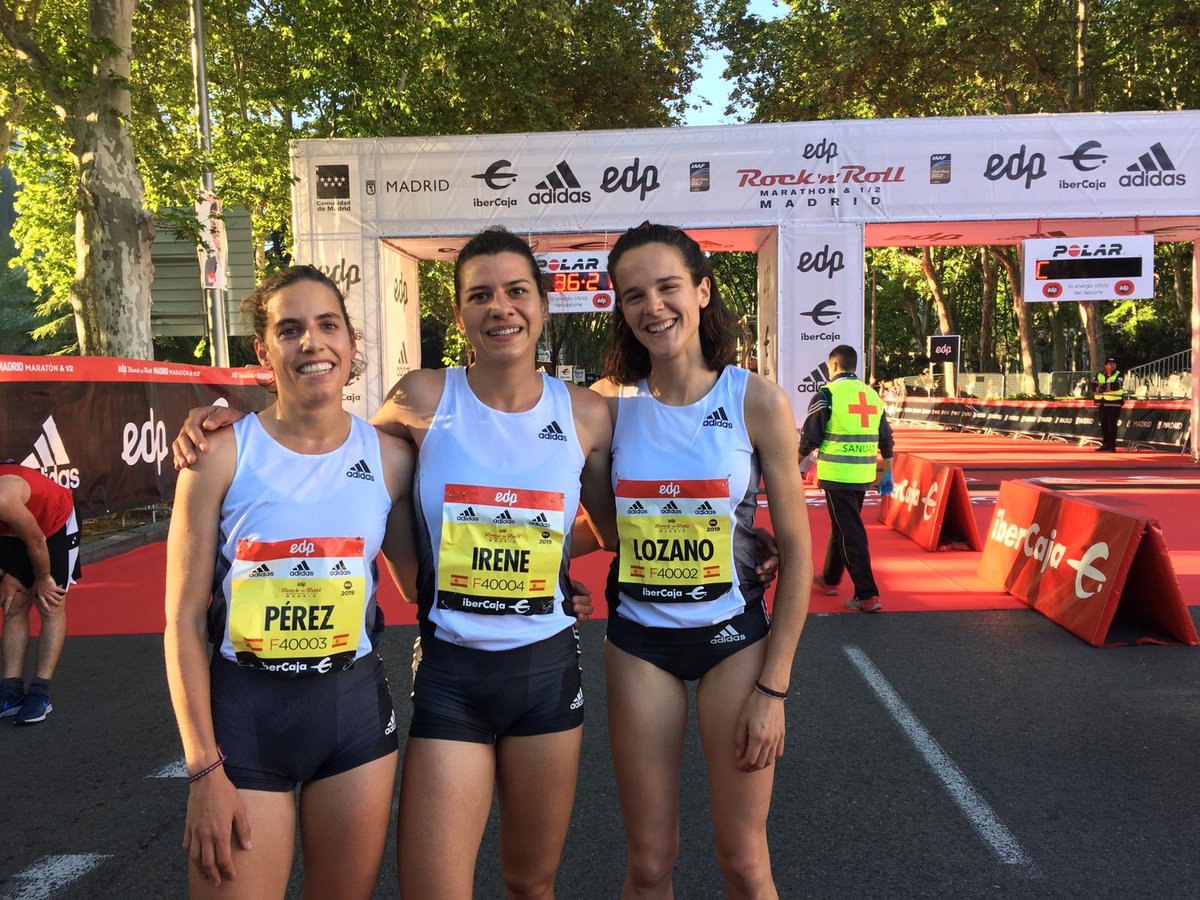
(630, 179)
(824, 260)
(824, 313)
(147, 443)
(909, 494)
(1016, 167)
(1047, 551)
(554, 264)
(1088, 250)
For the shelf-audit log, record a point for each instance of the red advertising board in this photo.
(930, 505)
(1083, 565)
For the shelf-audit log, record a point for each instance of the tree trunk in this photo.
(1180, 257)
(113, 230)
(914, 316)
(1058, 339)
(934, 278)
(10, 124)
(1011, 261)
(1082, 85)
(1089, 314)
(987, 314)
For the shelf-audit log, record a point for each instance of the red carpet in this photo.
(124, 595)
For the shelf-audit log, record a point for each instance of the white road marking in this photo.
(981, 816)
(49, 875)
(177, 769)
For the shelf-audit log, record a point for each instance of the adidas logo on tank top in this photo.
(718, 418)
(552, 432)
(360, 470)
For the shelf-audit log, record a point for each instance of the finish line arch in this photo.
(808, 197)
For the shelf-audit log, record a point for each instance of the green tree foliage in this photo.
(846, 59)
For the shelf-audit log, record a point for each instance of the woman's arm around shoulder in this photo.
(409, 406)
(399, 549)
(593, 424)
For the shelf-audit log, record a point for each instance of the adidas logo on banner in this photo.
(559, 186)
(578, 701)
(815, 380)
(717, 419)
(728, 635)
(540, 521)
(468, 515)
(505, 518)
(671, 507)
(301, 571)
(340, 568)
(360, 470)
(1154, 168)
(262, 571)
(552, 432)
(636, 509)
(50, 457)
(705, 509)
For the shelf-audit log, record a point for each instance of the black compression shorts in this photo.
(63, 547)
(280, 732)
(464, 694)
(688, 653)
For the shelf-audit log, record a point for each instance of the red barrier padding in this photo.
(104, 368)
(930, 505)
(1084, 565)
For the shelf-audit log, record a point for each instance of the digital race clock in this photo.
(578, 282)
(1085, 269)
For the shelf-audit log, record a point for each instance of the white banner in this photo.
(820, 285)
(400, 347)
(921, 170)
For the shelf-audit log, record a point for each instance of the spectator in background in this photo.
(1109, 391)
(39, 561)
(848, 425)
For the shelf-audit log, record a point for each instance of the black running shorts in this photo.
(280, 732)
(63, 547)
(464, 694)
(688, 653)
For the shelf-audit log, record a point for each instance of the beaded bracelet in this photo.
(220, 759)
(778, 695)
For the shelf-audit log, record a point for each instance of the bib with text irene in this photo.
(501, 550)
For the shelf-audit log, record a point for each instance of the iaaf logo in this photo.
(908, 493)
(147, 443)
(1089, 580)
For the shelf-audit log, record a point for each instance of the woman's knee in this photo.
(746, 866)
(651, 862)
(529, 883)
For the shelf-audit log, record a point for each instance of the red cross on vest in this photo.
(863, 409)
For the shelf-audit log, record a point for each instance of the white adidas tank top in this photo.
(686, 482)
(496, 496)
(296, 572)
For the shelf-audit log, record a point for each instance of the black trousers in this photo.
(848, 548)
(1108, 425)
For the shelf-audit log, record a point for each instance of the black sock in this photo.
(40, 686)
(11, 687)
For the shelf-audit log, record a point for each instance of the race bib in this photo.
(676, 544)
(296, 607)
(501, 550)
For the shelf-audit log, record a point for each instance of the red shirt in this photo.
(50, 502)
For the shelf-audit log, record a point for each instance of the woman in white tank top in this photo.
(686, 458)
(293, 618)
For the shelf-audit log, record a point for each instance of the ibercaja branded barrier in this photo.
(930, 505)
(103, 426)
(1104, 575)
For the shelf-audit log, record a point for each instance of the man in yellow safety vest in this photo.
(1109, 393)
(848, 427)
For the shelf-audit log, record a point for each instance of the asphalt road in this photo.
(929, 755)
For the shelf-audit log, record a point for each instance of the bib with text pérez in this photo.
(676, 544)
(501, 550)
(296, 607)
